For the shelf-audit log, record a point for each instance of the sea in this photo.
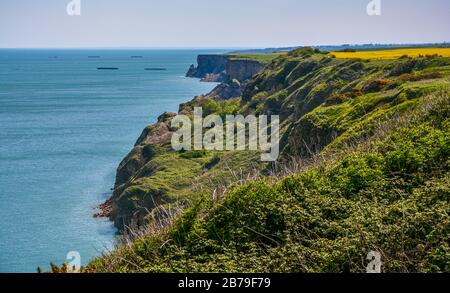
(64, 128)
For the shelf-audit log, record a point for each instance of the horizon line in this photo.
(230, 47)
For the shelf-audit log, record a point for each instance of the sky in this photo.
(220, 23)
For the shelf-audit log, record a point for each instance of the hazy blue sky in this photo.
(220, 23)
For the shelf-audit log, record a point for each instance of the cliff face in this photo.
(221, 68)
(210, 68)
(242, 69)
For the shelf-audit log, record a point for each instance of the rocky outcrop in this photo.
(210, 68)
(221, 68)
(242, 70)
(226, 90)
(143, 151)
(231, 73)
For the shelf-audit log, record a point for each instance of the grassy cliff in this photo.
(364, 167)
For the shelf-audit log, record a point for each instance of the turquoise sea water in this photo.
(64, 127)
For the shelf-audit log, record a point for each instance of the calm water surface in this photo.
(64, 127)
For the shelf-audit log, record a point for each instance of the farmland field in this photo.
(393, 54)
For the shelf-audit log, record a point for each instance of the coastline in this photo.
(229, 75)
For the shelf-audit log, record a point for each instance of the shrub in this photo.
(210, 107)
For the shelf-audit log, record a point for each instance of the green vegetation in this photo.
(262, 58)
(391, 196)
(364, 167)
(221, 108)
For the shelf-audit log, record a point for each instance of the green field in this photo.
(263, 57)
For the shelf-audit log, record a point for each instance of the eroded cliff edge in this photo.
(131, 204)
(223, 68)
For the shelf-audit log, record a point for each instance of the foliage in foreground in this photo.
(389, 194)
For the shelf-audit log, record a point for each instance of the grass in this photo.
(263, 57)
(393, 54)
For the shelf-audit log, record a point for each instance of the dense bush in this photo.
(210, 107)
